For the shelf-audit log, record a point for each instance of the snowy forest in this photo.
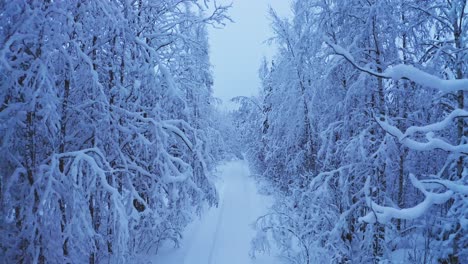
(111, 139)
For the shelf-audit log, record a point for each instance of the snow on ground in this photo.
(223, 234)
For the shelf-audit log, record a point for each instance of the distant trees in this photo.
(361, 96)
(105, 139)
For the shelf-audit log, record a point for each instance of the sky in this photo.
(236, 50)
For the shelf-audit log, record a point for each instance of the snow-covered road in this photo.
(223, 234)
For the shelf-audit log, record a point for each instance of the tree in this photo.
(363, 64)
(104, 157)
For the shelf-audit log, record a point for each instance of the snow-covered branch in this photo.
(245, 99)
(432, 142)
(406, 72)
(218, 16)
(384, 214)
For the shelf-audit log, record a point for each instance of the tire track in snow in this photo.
(223, 234)
(211, 213)
(218, 225)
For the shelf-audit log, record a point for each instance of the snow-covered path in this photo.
(223, 234)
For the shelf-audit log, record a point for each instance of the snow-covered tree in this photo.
(103, 153)
(370, 76)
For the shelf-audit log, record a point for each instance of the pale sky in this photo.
(237, 50)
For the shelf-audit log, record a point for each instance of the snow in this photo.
(446, 122)
(384, 214)
(432, 143)
(223, 234)
(402, 71)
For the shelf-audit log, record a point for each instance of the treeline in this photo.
(106, 130)
(360, 133)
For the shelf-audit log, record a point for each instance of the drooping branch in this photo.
(384, 214)
(432, 142)
(242, 99)
(406, 72)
